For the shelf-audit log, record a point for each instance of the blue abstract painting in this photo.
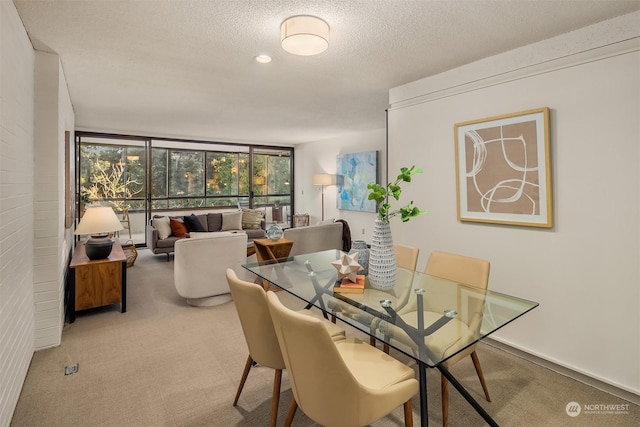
(355, 171)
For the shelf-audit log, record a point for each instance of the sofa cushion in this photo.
(203, 221)
(253, 233)
(161, 224)
(252, 218)
(231, 221)
(214, 221)
(169, 242)
(177, 227)
(193, 223)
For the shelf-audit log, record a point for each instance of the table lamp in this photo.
(99, 222)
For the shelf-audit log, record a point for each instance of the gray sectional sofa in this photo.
(161, 243)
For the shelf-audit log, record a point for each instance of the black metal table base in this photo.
(417, 334)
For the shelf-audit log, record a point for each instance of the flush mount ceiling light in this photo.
(304, 35)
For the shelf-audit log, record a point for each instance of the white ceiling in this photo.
(185, 67)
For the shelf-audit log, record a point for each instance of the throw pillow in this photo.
(161, 224)
(177, 227)
(193, 223)
(231, 221)
(214, 221)
(251, 218)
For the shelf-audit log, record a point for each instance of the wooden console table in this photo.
(97, 283)
(268, 250)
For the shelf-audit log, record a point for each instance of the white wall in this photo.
(320, 157)
(585, 271)
(35, 112)
(52, 243)
(16, 208)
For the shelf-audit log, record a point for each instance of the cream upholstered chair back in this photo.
(338, 383)
(467, 271)
(251, 304)
(459, 268)
(321, 382)
(406, 256)
(472, 272)
(257, 325)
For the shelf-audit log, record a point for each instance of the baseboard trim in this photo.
(562, 370)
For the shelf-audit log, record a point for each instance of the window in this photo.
(112, 173)
(182, 176)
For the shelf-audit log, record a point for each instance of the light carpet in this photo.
(164, 363)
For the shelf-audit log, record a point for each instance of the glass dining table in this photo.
(428, 319)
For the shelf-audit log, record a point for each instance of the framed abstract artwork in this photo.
(355, 171)
(69, 173)
(503, 170)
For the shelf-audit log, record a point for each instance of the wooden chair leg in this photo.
(291, 413)
(408, 414)
(385, 348)
(444, 391)
(372, 340)
(245, 374)
(275, 399)
(476, 364)
(333, 318)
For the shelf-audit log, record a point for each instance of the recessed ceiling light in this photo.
(263, 59)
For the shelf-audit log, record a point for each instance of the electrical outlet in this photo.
(71, 369)
(363, 231)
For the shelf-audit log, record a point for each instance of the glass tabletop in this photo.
(427, 318)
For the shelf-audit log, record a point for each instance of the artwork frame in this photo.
(503, 169)
(355, 171)
(69, 190)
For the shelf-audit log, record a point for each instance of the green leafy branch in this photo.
(381, 195)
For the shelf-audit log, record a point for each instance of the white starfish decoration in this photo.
(348, 266)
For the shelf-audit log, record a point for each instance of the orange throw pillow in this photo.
(178, 228)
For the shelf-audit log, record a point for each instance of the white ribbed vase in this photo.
(382, 257)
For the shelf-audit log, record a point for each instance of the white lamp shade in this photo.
(304, 35)
(98, 220)
(323, 179)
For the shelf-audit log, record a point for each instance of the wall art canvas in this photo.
(503, 171)
(355, 171)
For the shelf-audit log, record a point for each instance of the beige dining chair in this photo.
(338, 383)
(406, 256)
(467, 271)
(257, 326)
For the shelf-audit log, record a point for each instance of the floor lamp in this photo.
(323, 179)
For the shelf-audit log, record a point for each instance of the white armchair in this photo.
(200, 266)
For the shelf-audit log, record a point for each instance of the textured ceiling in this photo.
(185, 67)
